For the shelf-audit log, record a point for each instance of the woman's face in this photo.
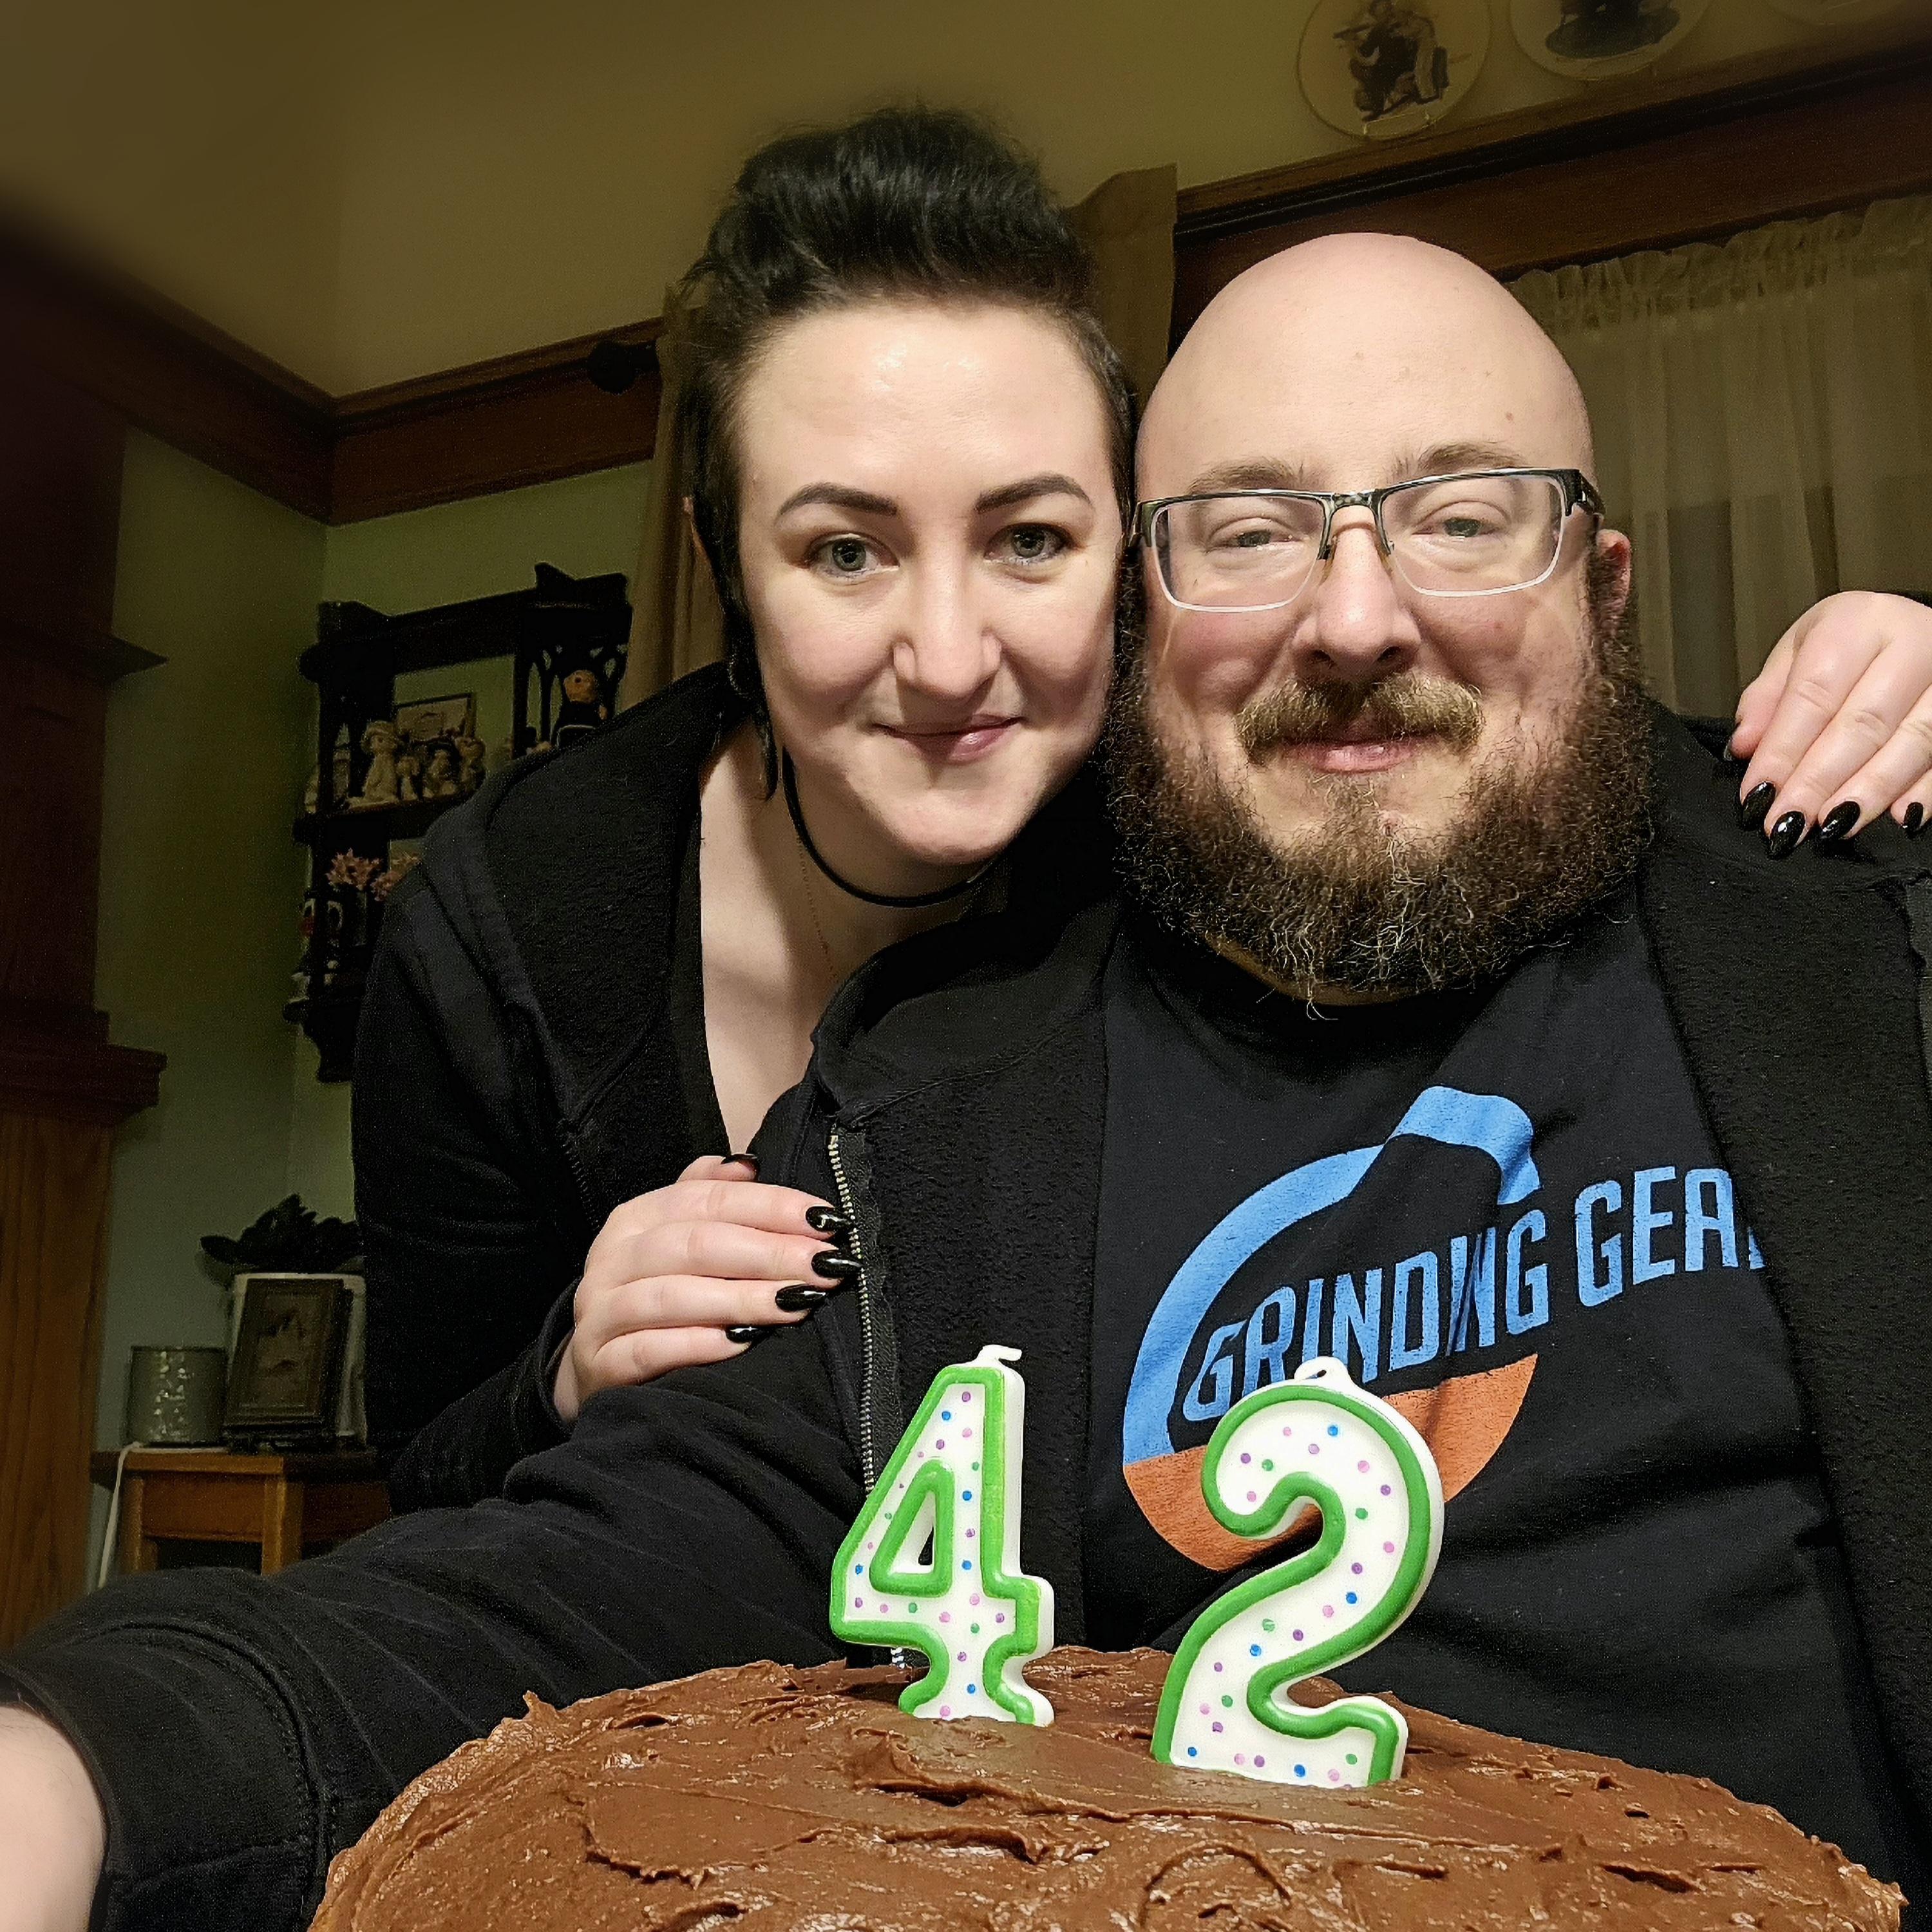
(931, 543)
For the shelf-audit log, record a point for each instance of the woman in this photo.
(912, 450)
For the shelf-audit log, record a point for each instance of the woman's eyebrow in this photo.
(838, 496)
(1050, 483)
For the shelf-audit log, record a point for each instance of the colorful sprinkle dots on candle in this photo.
(1386, 1490)
(1301, 1770)
(1227, 1703)
(1193, 1750)
(1251, 1496)
(1352, 1597)
(972, 1689)
(1363, 1466)
(1261, 1762)
(1334, 1777)
(1254, 1650)
(945, 1616)
(966, 1495)
(858, 1569)
(1327, 1610)
(965, 1396)
(1266, 1464)
(1247, 1459)
(1388, 1549)
(946, 1710)
(1356, 1567)
(1314, 1448)
(1298, 1637)
(1334, 1428)
(1217, 1666)
(973, 1629)
(1267, 1623)
(945, 1415)
(1353, 1759)
(1361, 1516)
(1241, 1757)
(1205, 1711)
(966, 1433)
(940, 1444)
(962, 1657)
(858, 1603)
(1001, 1618)
(1217, 1724)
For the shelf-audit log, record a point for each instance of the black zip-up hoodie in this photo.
(242, 1730)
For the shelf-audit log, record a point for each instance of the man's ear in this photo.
(1616, 566)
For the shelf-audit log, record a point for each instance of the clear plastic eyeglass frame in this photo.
(1578, 493)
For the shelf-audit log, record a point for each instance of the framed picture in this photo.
(423, 719)
(1602, 40)
(283, 1381)
(1385, 68)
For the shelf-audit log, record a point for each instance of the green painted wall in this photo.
(200, 881)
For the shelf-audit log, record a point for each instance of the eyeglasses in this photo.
(1473, 534)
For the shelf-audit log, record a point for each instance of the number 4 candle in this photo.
(954, 1481)
(1317, 1439)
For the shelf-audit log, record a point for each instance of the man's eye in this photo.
(1034, 543)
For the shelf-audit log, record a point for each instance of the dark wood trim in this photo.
(100, 655)
(1649, 163)
(1653, 165)
(166, 370)
(530, 418)
(71, 1077)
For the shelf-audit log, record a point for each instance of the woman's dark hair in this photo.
(907, 202)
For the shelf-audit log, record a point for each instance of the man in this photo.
(1597, 1142)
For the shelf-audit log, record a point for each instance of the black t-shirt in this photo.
(1504, 1207)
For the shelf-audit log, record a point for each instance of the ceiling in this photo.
(366, 193)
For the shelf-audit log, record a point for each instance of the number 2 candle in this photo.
(1316, 1439)
(954, 1483)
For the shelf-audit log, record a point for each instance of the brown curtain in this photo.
(677, 625)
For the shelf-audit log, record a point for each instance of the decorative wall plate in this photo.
(1834, 12)
(1385, 68)
(1601, 39)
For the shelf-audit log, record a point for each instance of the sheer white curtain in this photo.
(1764, 424)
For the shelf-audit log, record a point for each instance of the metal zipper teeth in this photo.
(868, 1453)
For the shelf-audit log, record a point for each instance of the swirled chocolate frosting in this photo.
(769, 1798)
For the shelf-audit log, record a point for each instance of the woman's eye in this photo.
(844, 556)
(1033, 543)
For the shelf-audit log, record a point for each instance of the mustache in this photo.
(1408, 705)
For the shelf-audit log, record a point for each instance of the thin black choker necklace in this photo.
(907, 902)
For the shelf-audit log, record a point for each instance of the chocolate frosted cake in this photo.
(772, 1798)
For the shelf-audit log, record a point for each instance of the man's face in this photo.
(1364, 694)
(1349, 762)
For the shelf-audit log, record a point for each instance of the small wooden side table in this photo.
(287, 1503)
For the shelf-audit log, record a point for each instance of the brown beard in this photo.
(1355, 906)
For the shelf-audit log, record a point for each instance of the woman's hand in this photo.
(1838, 725)
(682, 1274)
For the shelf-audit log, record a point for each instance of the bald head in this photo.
(1353, 361)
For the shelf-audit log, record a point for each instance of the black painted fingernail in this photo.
(749, 1332)
(1787, 835)
(1751, 815)
(832, 1266)
(750, 1160)
(798, 1298)
(828, 1221)
(1915, 819)
(1837, 822)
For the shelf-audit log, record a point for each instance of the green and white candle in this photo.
(1317, 1439)
(953, 1483)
